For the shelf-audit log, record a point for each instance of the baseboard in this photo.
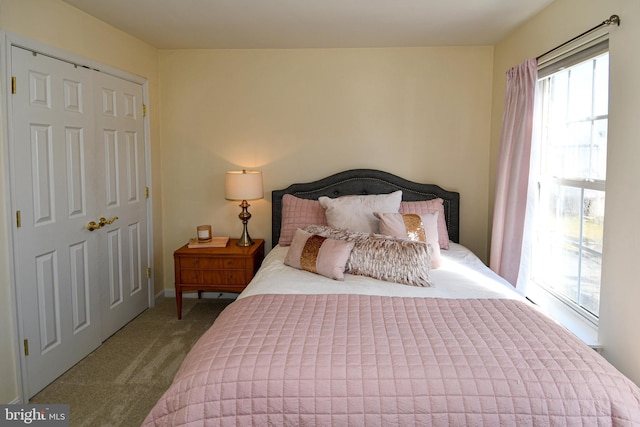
(159, 297)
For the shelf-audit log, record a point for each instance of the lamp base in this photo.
(245, 239)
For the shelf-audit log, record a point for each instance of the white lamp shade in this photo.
(243, 185)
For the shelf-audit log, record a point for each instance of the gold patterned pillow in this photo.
(430, 206)
(416, 227)
(318, 254)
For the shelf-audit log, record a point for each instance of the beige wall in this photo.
(56, 24)
(300, 115)
(564, 19)
(428, 114)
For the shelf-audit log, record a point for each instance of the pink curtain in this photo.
(512, 175)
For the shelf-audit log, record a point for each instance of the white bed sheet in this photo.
(461, 276)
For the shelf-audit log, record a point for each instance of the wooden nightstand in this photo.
(228, 269)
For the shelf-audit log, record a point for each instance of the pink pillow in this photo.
(298, 213)
(430, 206)
(317, 254)
(415, 227)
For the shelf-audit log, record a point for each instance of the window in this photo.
(570, 167)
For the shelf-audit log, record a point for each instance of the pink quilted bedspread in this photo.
(371, 360)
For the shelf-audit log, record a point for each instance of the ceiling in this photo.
(242, 24)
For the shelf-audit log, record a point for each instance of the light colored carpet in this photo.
(118, 384)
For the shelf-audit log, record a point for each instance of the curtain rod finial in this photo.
(613, 20)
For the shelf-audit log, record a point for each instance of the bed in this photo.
(447, 343)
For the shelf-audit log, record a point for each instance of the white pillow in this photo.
(356, 213)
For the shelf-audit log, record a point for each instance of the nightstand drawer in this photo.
(212, 263)
(191, 276)
(224, 277)
(213, 277)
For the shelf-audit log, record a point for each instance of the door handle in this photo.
(103, 221)
(93, 226)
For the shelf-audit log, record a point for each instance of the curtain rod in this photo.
(613, 20)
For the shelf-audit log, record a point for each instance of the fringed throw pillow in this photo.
(382, 257)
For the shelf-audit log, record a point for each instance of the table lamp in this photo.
(244, 185)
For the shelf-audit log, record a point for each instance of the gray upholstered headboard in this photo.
(368, 181)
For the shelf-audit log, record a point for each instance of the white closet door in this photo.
(78, 156)
(57, 270)
(121, 172)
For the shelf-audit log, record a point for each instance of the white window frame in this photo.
(564, 309)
